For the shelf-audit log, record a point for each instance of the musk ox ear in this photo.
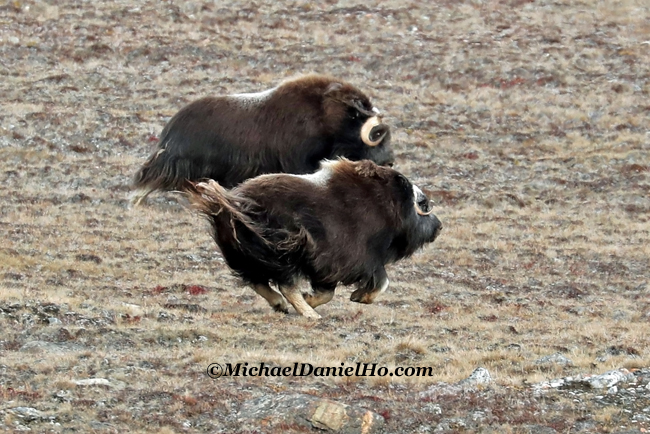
(333, 88)
(350, 97)
(403, 183)
(357, 103)
(405, 190)
(404, 187)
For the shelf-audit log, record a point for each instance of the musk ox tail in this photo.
(222, 208)
(212, 199)
(161, 171)
(253, 249)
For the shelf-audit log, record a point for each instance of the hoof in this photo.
(283, 308)
(311, 314)
(363, 298)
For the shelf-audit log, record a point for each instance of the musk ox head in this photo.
(349, 111)
(339, 225)
(286, 129)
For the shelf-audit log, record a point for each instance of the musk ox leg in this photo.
(319, 296)
(275, 299)
(367, 294)
(139, 195)
(294, 296)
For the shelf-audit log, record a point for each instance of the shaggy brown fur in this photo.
(342, 224)
(288, 129)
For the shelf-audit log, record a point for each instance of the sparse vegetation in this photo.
(526, 121)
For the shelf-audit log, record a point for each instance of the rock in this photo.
(166, 317)
(438, 389)
(134, 309)
(49, 347)
(29, 414)
(539, 429)
(478, 416)
(554, 359)
(433, 408)
(608, 379)
(480, 376)
(311, 412)
(93, 382)
(452, 424)
(62, 396)
(584, 426)
(96, 425)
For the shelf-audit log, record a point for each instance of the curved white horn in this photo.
(367, 128)
(419, 211)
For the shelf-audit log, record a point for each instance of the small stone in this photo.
(97, 425)
(554, 359)
(612, 390)
(53, 321)
(329, 416)
(93, 382)
(29, 414)
(478, 416)
(584, 426)
(479, 376)
(435, 409)
(311, 412)
(539, 429)
(442, 427)
(609, 379)
(62, 396)
(49, 347)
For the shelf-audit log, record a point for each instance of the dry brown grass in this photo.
(526, 122)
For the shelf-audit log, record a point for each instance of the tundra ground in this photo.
(526, 122)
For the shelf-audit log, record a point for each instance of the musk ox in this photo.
(287, 129)
(342, 224)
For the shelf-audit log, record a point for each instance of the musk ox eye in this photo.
(423, 207)
(422, 204)
(377, 133)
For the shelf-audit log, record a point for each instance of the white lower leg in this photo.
(275, 299)
(294, 296)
